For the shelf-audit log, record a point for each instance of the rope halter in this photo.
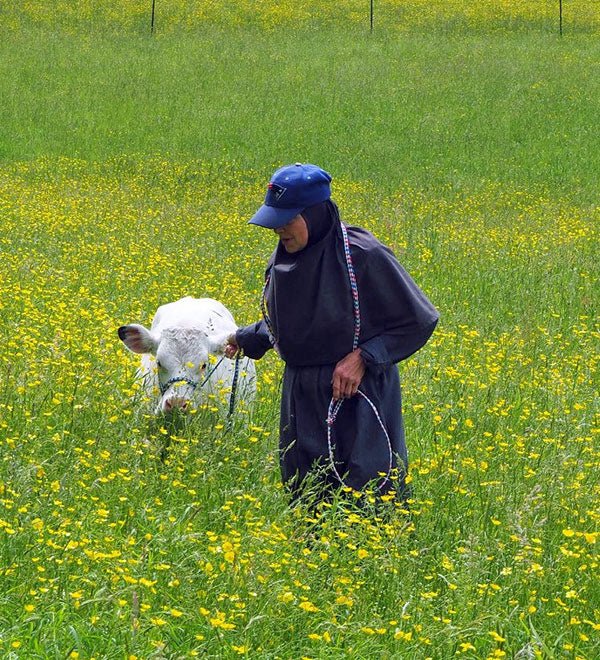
(188, 381)
(178, 379)
(194, 383)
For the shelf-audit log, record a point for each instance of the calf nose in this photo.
(176, 402)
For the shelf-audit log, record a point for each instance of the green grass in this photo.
(128, 166)
(428, 110)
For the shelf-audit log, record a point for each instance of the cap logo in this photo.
(277, 190)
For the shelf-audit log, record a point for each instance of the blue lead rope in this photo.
(234, 383)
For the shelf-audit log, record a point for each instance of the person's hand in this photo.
(231, 347)
(347, 375)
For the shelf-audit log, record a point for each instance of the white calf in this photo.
(176, 349)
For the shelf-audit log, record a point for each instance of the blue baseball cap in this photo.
(292, 189)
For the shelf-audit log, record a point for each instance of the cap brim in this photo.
(272, 218)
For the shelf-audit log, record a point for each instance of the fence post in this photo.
(152, 19)
(560, 17)
(371, 15)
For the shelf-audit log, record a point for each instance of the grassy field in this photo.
(465, 136)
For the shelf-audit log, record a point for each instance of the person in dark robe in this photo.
(341, 312)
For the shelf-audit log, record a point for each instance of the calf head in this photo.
(178, 358)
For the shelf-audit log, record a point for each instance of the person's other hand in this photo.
(232, 347)
(347, 375)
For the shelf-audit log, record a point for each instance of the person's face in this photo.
(294, 235)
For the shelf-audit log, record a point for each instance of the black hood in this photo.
(309, 299)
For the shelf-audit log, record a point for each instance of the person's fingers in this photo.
(338, 386)
(337, 394)
(346, 388)
(231, 350)
(353, 388)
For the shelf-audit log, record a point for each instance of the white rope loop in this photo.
(334, 408)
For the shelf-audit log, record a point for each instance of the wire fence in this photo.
(570, 16)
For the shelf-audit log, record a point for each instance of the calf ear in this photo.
(137, 338)
(217, 343)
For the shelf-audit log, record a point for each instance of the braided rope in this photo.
(334, 408)
(188, 381)
(335, 405)
(211, 372)
(179, 379)
(353, 287)
(192, 383)
(265, 313)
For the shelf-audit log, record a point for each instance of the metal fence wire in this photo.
(164, 16)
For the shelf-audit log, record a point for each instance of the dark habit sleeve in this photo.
(254, 340)
(379, 352)
(398, 317)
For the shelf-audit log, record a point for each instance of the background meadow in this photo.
(464, 135)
